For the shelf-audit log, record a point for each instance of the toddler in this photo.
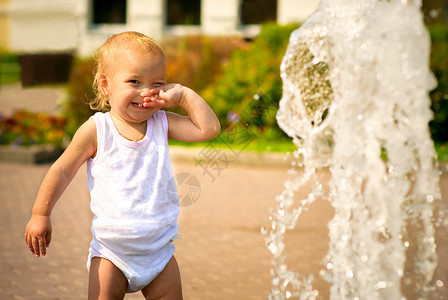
(129, 171)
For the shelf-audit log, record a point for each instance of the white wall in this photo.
(64, 25)
(219, 17)
(42, 26)
(295, 11)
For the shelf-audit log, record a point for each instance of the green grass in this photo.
(9, 68)
(254, 146)
(280, 146)
(442, 152)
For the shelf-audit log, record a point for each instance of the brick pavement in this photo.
(44, 99)
(221, 253)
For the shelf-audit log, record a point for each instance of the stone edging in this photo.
(211, 155)
(35, 154)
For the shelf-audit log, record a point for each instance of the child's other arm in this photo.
(201, 124)
(58, 177)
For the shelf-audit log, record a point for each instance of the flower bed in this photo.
(31, 137)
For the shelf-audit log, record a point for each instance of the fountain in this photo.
(355, 102)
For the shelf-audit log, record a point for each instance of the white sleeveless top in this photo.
(133, 196)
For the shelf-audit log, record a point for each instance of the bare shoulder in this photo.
(84, 142)
(86, 132)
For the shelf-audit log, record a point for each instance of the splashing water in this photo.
(355, 101)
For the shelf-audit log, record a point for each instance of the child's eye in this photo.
(133, 81)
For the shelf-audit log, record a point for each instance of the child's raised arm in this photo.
(201, 124)
(38, 231)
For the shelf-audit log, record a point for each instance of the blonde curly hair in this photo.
(106, 56)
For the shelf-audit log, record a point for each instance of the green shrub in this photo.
(9, 68)
(249, 89)
(79, 92)
(196, 61)
(439, 96)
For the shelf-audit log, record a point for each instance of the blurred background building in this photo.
(47, 34)
(80, 26)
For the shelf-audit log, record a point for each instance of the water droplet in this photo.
(381, 285)
(264, 230)
(406, 244)
(365, 258)
(434, 13)
(349, 274)
(439, 283)
(273, 248)
(329, 266)
(288, 294)
(429, 199)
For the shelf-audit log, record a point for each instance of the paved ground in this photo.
(221, 253)
(13, 97)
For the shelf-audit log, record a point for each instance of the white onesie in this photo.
(135, 217)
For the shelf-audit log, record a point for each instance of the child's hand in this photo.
(38, 234)
(172, 93)
(165, 96)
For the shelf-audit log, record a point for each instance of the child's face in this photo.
(135, 75)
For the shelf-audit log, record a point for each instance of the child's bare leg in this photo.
(106, 281)
(166, 285)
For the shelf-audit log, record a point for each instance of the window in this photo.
(109, 11)
(257, 11)
(181, 12)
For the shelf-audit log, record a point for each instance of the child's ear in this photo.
(103, 85)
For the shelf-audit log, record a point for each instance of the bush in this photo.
(249, 89)
(197, 61)
(79, 93)
(439, 96)
(9, 68)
